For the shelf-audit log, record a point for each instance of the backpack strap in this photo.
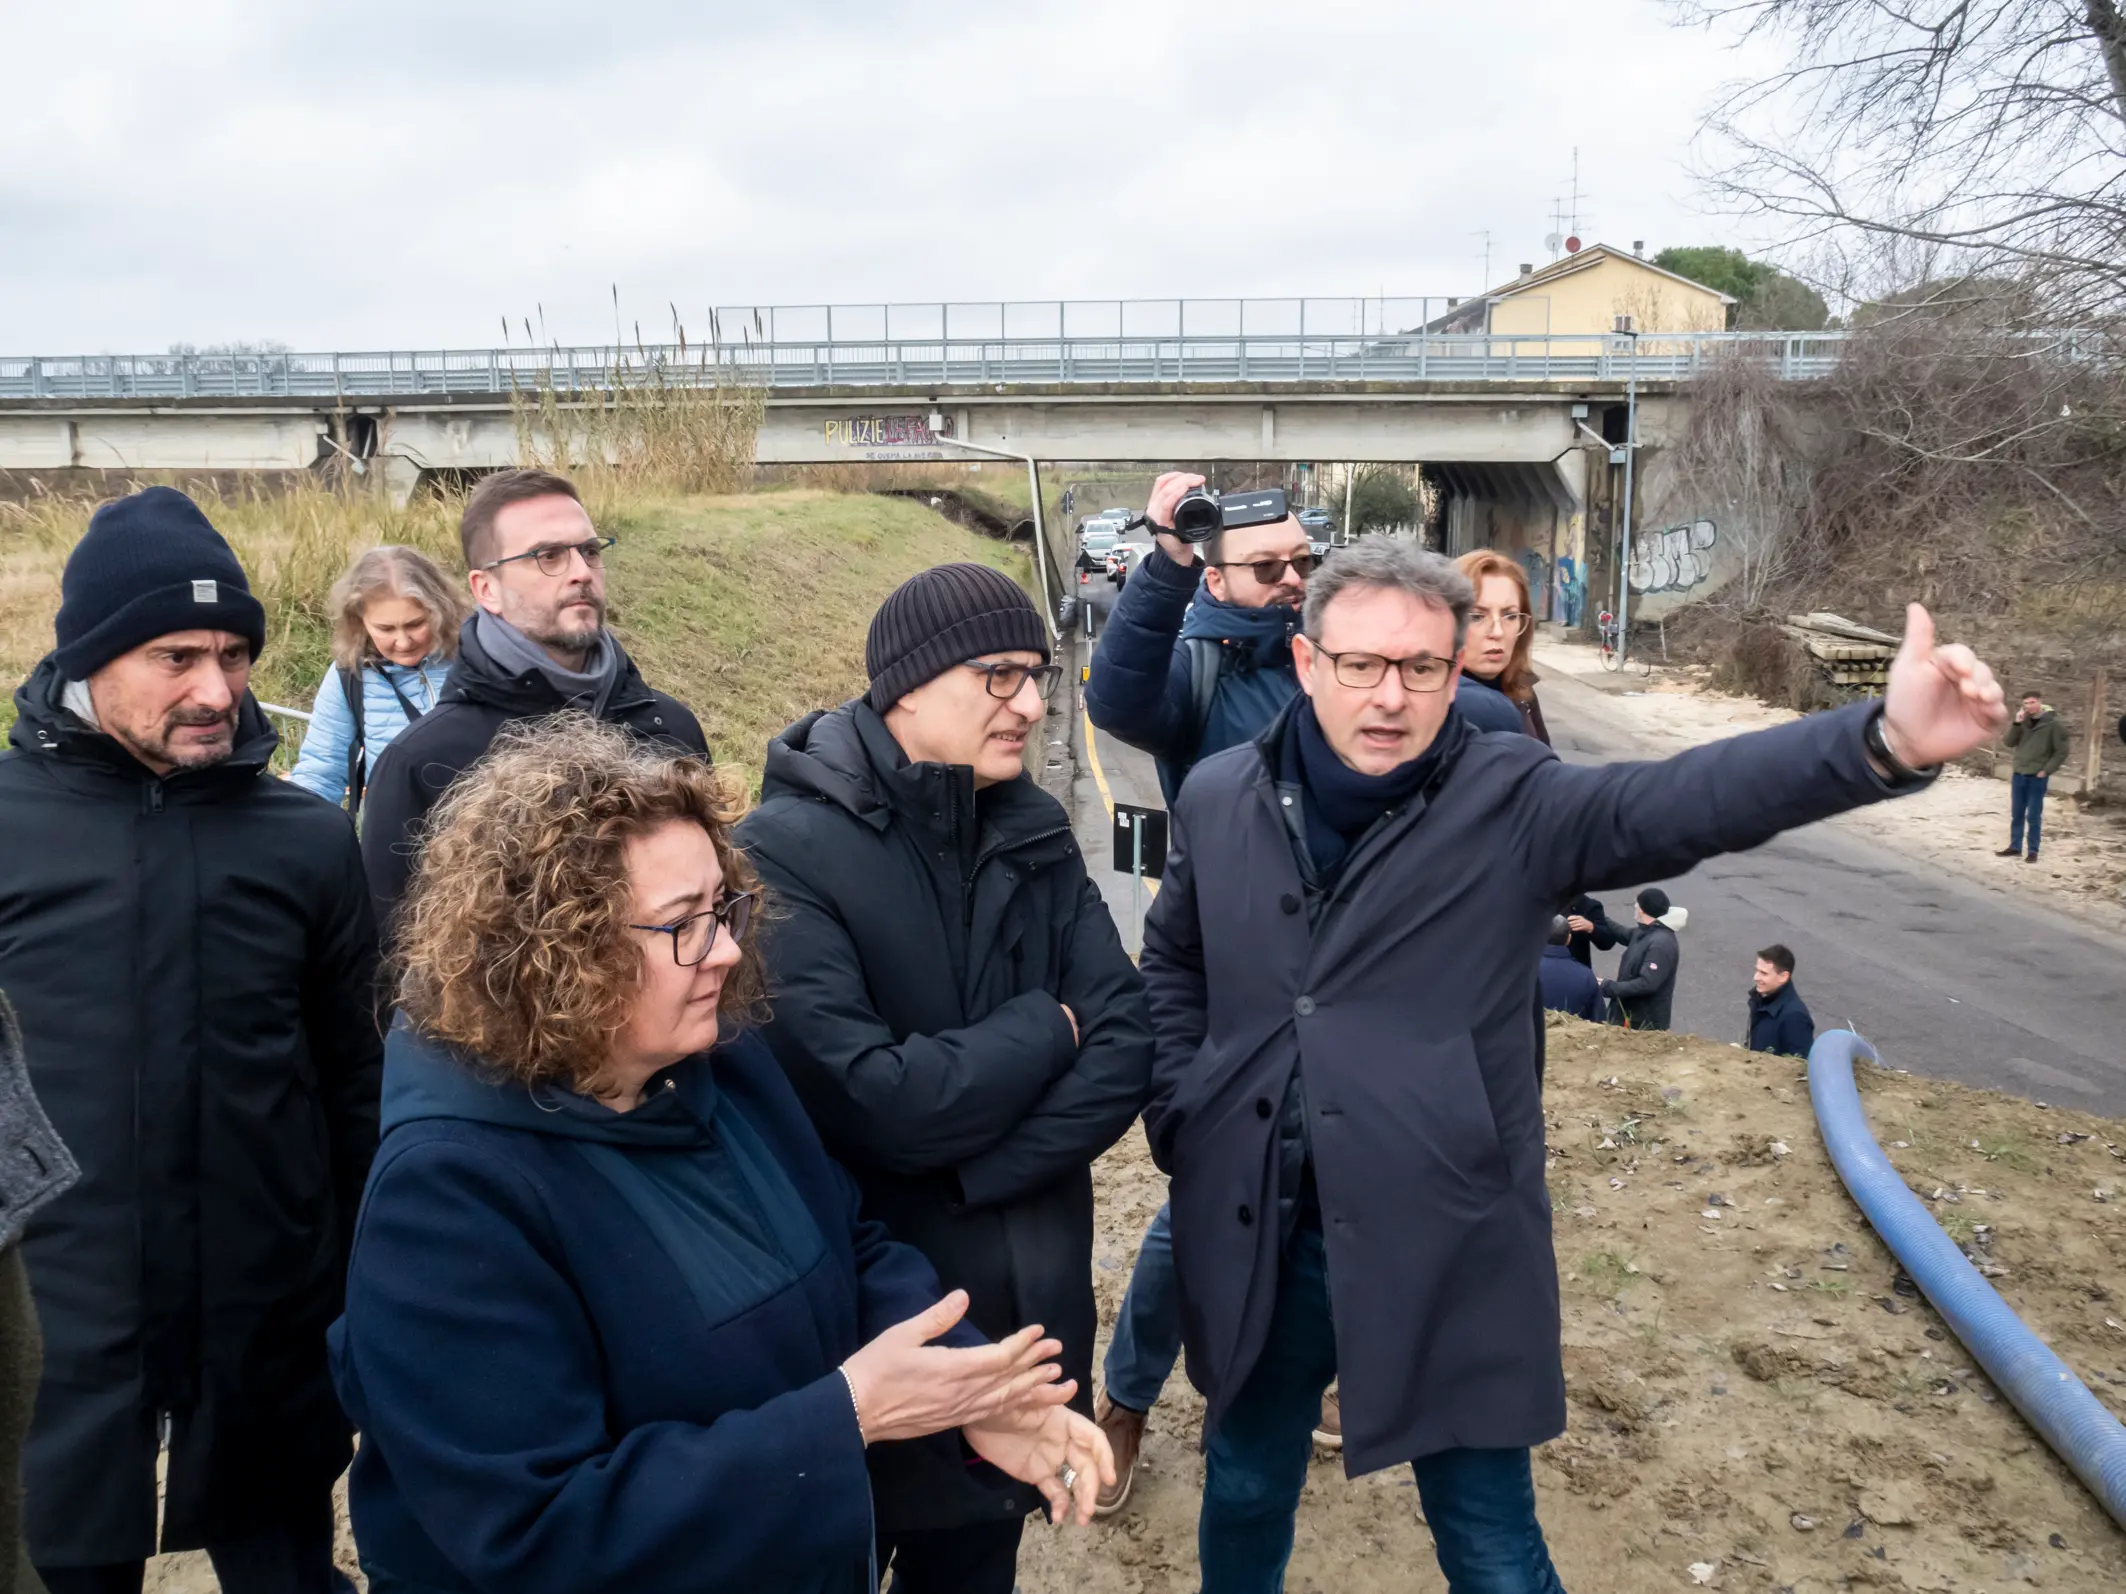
(357, 753)
(1206, 659)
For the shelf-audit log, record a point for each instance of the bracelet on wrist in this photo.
(856, 1406)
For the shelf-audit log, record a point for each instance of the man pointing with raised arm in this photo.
(1341, 966)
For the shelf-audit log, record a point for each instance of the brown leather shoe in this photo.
(1330, 1435)
(1125, 1436)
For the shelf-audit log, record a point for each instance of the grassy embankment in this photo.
(751, 608)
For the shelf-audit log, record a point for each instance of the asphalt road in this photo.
(1945, 977)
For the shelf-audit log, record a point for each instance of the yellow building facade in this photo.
(1583, 294)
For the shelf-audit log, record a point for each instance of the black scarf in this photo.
(1341, 804)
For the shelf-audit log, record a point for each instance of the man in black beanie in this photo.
(191, 953)
(954, 1007)
(1643, 994)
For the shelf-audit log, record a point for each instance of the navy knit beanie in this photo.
(149, 565)
(945, 616)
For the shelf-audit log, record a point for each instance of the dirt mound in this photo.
(1760, 1400)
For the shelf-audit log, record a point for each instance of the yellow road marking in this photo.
(1092, 757)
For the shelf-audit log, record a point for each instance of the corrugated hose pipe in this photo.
(2042, 1387)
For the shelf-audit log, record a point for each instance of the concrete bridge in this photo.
(1517, 430)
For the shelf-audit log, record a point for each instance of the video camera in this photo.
(1202, 514)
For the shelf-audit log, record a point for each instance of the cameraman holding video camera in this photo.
(1197, 658)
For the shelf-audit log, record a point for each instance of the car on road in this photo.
(1318, 524)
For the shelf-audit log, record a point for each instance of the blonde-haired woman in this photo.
(1501, 630)
(614, 1319)
(395, 620)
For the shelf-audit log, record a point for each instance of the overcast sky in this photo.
(397, 175)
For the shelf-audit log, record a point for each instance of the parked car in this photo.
(1318, 524)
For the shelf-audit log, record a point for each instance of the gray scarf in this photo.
(515, 653)
(76, 701)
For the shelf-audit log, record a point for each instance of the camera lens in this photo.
(1197, 517)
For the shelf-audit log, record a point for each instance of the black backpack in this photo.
(357, 748)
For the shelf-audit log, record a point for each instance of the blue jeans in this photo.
(1480, 1503)
(1147, 1337)
(2026, 800)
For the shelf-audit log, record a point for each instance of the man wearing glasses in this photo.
(954, 1007)
(1341, 964)
(536, 644)
(1184, 672)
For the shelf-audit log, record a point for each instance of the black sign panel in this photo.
(1128, 819)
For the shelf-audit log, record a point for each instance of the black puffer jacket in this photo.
(924, 944)
(192, 959)
(476, 702)
(1643, 994)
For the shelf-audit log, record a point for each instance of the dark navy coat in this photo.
(1408, 1000)
(1569, 986)
(1781, 1022)
(566, 1383)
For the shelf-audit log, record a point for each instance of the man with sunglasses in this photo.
(1196, 658)
(954, 1007)
(536, 644)
(1341, 962)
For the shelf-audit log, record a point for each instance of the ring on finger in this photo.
(1068, 1476)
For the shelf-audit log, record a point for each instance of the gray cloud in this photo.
(407, 175)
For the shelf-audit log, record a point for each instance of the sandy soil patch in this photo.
(1957, 823)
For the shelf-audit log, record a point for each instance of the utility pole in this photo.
(1630, 328)
(1485, 234)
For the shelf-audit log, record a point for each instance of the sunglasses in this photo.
(1271, 571)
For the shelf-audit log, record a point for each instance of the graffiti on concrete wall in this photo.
(1674, 560)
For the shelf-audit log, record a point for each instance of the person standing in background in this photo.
(1501, 633)
(395, 622)
(1779, 1019)
(2040, 743)
(537, 644)
(1644, 990)
(1568, 985)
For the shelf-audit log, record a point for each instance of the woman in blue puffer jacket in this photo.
(394, 635)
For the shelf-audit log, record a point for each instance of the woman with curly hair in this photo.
(1501, 630)
(613, 1318)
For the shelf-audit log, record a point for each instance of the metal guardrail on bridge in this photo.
(924, 364)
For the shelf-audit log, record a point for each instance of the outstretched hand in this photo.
(1942, 701)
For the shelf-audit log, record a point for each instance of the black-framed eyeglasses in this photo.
(1421, 674)
(1511, 621)
(553, 557)
(1269, 571)
(1006, 679)
(693, 935)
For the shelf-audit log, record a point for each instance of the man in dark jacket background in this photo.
(1341, 967)
(1568, 985)
(1196, 658)
(953, 1005)
(1779, 1020)
(2040, 743)
(1643, 994)
(536, 644)
(189, 945)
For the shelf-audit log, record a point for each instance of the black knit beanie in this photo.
(945, 616)
(1653, 901)
(149, 565)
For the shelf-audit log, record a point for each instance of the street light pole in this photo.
(1629, 327)
(1033, 482)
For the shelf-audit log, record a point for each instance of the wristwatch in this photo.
(1878, 744)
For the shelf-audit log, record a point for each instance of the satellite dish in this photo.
(1572, 245)
(1550, 242)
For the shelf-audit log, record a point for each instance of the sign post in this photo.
(1140, 852)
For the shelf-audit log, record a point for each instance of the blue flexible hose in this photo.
(2042, 1387)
